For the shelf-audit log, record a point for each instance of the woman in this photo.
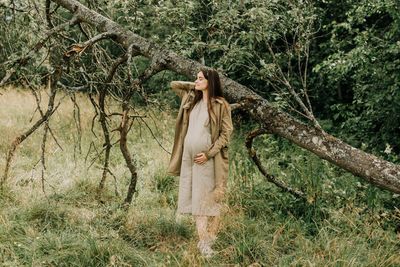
(200, 153)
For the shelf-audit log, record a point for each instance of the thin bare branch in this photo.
(78, 49)
(152, 134)
(96, 110)
(285, 81)
(73, 88)
(38, 101)
(77, 120)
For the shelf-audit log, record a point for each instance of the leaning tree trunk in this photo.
(369, 167)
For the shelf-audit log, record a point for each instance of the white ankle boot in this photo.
(205, 249)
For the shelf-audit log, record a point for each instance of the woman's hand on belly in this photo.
(200, 158)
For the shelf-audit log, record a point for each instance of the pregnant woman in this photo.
(200, 153)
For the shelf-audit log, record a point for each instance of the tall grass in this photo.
(347, 223)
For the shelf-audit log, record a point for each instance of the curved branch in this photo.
(270, 178)
(123, 129)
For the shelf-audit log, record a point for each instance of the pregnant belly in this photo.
(198, 142)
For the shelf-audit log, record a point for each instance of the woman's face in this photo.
(201, 83)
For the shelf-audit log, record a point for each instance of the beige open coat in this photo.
(221, 129)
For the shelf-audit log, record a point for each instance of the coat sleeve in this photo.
(181, 87)
(225, 134)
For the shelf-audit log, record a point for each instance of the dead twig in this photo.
(77, 120)
(152, 134)
(155, 67)
(42, 157)
(115, 183)
(96, 108)
(283, 78)
(103, 119)
(8, 75)
(19, 139)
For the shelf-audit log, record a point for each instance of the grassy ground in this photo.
(349, 223)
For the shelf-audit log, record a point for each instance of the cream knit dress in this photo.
(197, 181)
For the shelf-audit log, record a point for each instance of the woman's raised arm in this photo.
(181, 87)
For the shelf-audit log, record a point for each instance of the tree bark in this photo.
(369, 167)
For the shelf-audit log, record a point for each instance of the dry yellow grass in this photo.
(66, 166)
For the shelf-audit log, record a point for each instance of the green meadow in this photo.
(61, 221)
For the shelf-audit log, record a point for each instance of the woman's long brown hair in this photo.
(214, 89)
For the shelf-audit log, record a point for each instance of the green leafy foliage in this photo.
(358, 73)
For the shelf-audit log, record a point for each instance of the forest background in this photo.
(345, 58)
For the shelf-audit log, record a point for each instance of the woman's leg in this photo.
(201, 227)
(213, 227)
(207, 227)
(204, 244)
